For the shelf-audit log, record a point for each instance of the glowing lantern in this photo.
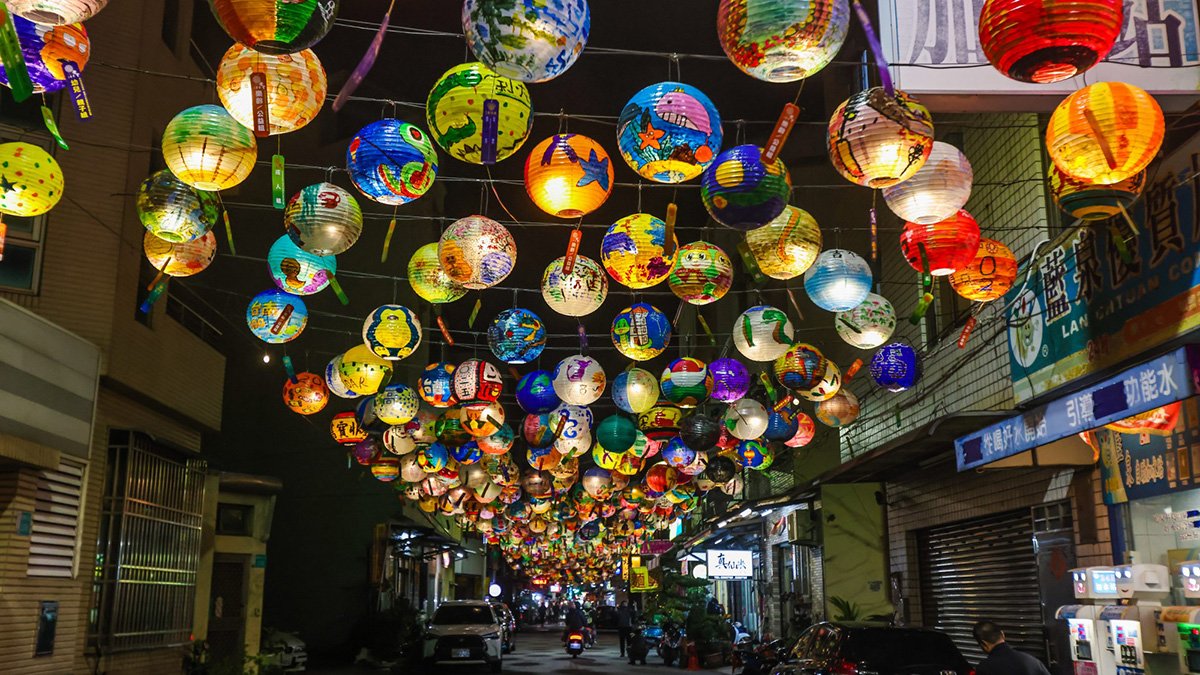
(780, 425)
(787, 246)
(702, 274)
(742, 192)
(499, 442)
(753, 454)
(616, 434)
(686, 382)
(677, 454)
(597, 482)
(55, 12)
(396, 404)
(731, 380)
(1105, 133)
(876, 140)
(575, 436)
(941, 248)
(392, 162)
(180, 260)
(482, 418)
(392, 332)
(641, 332)
(298, 271)
(307, 395)
(476, 379)
(47, 49)
(276, 317)
(295, 87)
(460, 104)
(345, 430)
(429, 280)
(477, 252)
(333, 379)
(205, 147)
(839, 281)
(174, 211)
(436, 385)
(661, 477)
(433, 458)
(576, 294)
(896, 366)
(829, 385)
(530, 42)
(579, 380)
(868, 325)
(398, 441)
(669, 132)
(1088, 201)
(276, 26)
(535, 393)
(31, 180)
(517, 336)
(635, 391)
(538, 430)
(449, 428)
(763, 333)
(989, 276)
(660, 423)
(782, 40)
(362, 371)
(568, 175)
(935, 192)
(1045, 41)
(323, 219)
(805, 430)
(840, 410)
(801, 367)
(746, 418)
(634, 251)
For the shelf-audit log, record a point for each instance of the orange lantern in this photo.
(1105, 132)
(345, 430)
(306, 394)
(568, 175)
(941, 248)
(989, 276)
(1088, 201)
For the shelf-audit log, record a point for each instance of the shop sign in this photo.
(656, 546)
(1150, 385)
(1148, 462)
(640, 580)
(1087, 305)
(730, 565)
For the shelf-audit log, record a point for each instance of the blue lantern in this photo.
(742, 192)
(535, 393)
(298, 271)
(781, 426)
(467, 453)
(392, 162)
(677, 454)
(528, 40)
(753, 454)
(517, 336)
(896, 366)
(669, 132)
(436, 385)
(641, 331)
(838, 281)
(276, 317)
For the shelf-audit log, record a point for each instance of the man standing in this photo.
(1001, 658)
(624, 624)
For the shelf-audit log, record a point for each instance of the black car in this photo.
(878, 649)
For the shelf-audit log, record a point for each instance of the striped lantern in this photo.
(1045, 41)
(941, 248)
(568, 175)
(878, 140)
(294, 83)
(55, 12)
(276, 26)
(935, 192)
(174, 211)
(323, 219)
(47, 49)
(392, 162)
(787, 246)
(1105, 133)
(205, 147)
(702, 274)
(782, 40)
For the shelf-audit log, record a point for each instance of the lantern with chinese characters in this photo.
(1090, 201)
(482, 418)
(702, 274)
(935, 192)
(174, 211)
(838, 281)
(345, 430)
(878, 140)
(787, 246)
(306, 394)
(989, 276)
(527, 41)
(743, 192)
(746, 418)
(392, 162)
(805, 430)
(323, 219)
(392, 332)
(180, 260)
(205, 147)
(476, 379)
(276, 317)
(731, 380)
(763, 333)
(436, 385)
(477, 252)
(840, 410)
(753, 454)
(782, 40)
(429, 280)
(296, 270)
(868, 325)
(635, 391)
(56, 12)
(517, 336)
(276, 26)
(634, 251)
(535, 392)
(47, 50)
(1105, 133)
(641, 332)
(362, 371)
(576, 294)
(31, 181)
(896, 366)
(1045, 41)
(579, 380)
(461, 104)
(686, 382)
(568, 175)
(801, 367)
(294, 85)
(660, 423)
(396, 404)
(669, 132)
(941, 248)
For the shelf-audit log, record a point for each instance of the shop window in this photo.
(235, 519)
(54, 531)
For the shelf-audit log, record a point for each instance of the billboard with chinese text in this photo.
(1151, 461)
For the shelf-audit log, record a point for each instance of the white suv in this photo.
(464, 631)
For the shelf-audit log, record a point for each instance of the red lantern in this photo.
(1044, 41)
(941, 248)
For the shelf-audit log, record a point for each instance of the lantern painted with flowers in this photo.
(742, 191)
(429, 280)
(568, 175)
(1045, 41)
(34, 180)
(173, 210)
(579, 293)
(763, 333)
(276, 26)
(477, 252)
(527, 41)
(896, 366)
(702, 274)
(1091, 201)
(1105, 133)
(641, 331)
(392, 332)
(989, 275)
(276, 317)
(323, 219)
(787, 246)
(879, 140)
(868, 325)
(392, 162)
(47, 49)
(669, 132)
(941, 248)
(462, 101)
(183, 259)
(306, 395)
(782, 40)
(205, 147)
(634, 251)
(936, 191)
(295, 87)
(838, 281)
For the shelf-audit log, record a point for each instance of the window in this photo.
(21, 266)
(235, 519)
(54, 537)
(170, 26)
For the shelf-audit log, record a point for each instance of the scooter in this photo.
(575, 643)
(759, 659)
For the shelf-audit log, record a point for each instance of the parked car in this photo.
(464, 631)
(284, 650)
(878, 649)
(509, 622)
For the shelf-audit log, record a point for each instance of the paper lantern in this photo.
(530, 42)
(634, 251)
(433, 458)
(205, 147)
(396, 404)
(781, 425)
(641, 332)
(840, 410)
(298, 271)
(838, 281)
(477, 252)
(428, 280)
(686, 382)
(365, 451)
(294, 83)
(499, 442)
(1089, 201)
(702, 274)
(597, 482)
(746, 418)
(482, 418)
(782, 40)
(174, 211)
(392, 162)
(669, 132)
(801, 367)
(306, 395)
(333, 379)
(941, 248)
(538, 430)
(720, 470)
(660, 423)
(476, 379)
(878, 140)
(989, 276)
(55, 12)
(741, 191)
(535, 392)
(896, 366)
(449, 427)
(579, 380)
(180, 260)
(868, 325)
(31, 181)
(616, 434)
(345, 430)
(392, 332)
(828, 386)
(661, 477)
(1043, 41)
(323, 219)
(763, 333)
(635, 391)
(731, 380)
(276, 26)
(398, 441)
(1105, 133)
(517, 336)
(754, 454)
(276, 317)
(677, 454)
(936, 191)
(609, 461)
(576, 426)
(576, 294)
(47, 49)
(436, 385)
(805, 430)
(787, 246)
(700, 432)
(363, 372)
(568, 175)
(462, 102)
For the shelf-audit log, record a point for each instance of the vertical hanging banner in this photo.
(79, 96)
(783, 129)
(366, 63)
(10, 54)
(52, 127)
(491, 131)
(258, 97)
(669, 231)
(278, 188)
(572, 251)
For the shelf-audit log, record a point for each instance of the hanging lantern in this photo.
(576, 294)
(1105, 133)
(781, 425)
(896, 366)
(579, 380)
(634, 251)
(746, 418)
(568, 175)
(641, 332)
(868, 325)
(686, 382)
(392, 162)
(700, 432)
(838, 281)
(616, 434)
(363, 372)
(878, 140)
(306, 395)
(782, 40)
(805, 430)
(276, 317)
(392, 332)
(635, 391)
(365, 451)
(433, 458)
(398, 441)
(499, 442)
(297, 271)
(31, 178)
(174, 211)
(55, 12)
(294, 83)
(276, 26)
(787, 246)
(323, 219)
(720, 470)
(575, 435)
(345, 430)
(936, 191)
(207, 149)
(597, 482)
(801, 367)
(530, 42)
(482, 418)
(660, 423)
(180, 260)
(661, 477)
(535, 393)
(333, 379)
(1089, 201)
(429, 280)
(517, 336)
(449, 428)
(702, 274)
(538, 430)
(763, 333)
(477, 252)
(1044, 41)
(677, 454)
(459, 103)
(753, 454)
(989, 276)
(396, 404)
(47, 49)
(740, 191)
(731, 380)
(476, 379)
(941, 248)
(840, 410)
(669, 132)
(829, 385)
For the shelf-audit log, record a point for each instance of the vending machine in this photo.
(1135, 630)
(1181, 624)
(1089, 655)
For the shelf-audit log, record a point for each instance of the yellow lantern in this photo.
(1105, 132)
(31, 181)
(879, 140)
(461, 104)
(362, 371)
(205, 147)
(294, 85)
(786, 247)
(429, 280)
(568, 175)
(634, 251)
(1089, 201)
(180, 259)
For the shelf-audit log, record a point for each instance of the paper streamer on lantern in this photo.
(366, 63)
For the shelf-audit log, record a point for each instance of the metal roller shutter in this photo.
(983, 569)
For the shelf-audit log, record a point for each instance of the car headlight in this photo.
(491, 636)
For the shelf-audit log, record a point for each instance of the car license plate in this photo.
(460, 653)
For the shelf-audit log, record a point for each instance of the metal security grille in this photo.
(149, 547)
(54, 537)
(983, 569)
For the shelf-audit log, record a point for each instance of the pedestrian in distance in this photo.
(1001, 658)
(624, 624)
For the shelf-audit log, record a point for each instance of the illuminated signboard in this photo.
(730, 565)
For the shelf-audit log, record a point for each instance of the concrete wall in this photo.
(855, 548)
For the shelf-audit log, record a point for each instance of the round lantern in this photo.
(205, 147)
(616, 434)
(362, 371)
(700, 432)
(746, 418)
(47, 49)
(55, 12)
(604, 459)
(805, 430)
(568, 175)
(731, 380)
(1105, 133)
(597, 482)
(868, 325)
(634, 251)
(941, 248)
(33, 180)
(429, 280)
(878, 140)
(530, 42)
(686, 382)
(482, 418)
(333, 379)
(174, 211)
(702, 274)
(476, 379)
(276, 26)
(576, 423)
(517, 336)
(787, 246)
(535, 393)
(838, 281)
(801, 367)
(1089, 201)
(989, 276)
(392, 162)
(579, 380)
(829, 384)
(345, 430)
(538, 430)
(661, 477)
(436, 385)
(840, 410)
(1043, 42)
(741, 191)
(323, 219)
(298, 271)
(295, 87)
(449, 427)
(396, 404)
(660, 423)
(365, 412)
(576, 294)
(896, 366)
(641, 332)
(782, 40)
(720, 470)
(677, 454)
(669, 132)
(781, 425)
(635, 391)
(276, 317)
(499, 442)
(306, 394)
(458, 104)
(433, 458)
(392, 332)
(398, 441)
(365, 451)
(753, 454)
(477, 252)
(180, 260)
(763, 333)
(936, 191)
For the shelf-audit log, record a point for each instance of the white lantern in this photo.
(935, 192)
(763, 333)
(868, 325)
(579, 380)
(576, 294)
(746, 419)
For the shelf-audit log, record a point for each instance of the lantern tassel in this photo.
(712, 339)
(3, 236)
(153, 297)
(795, 305)
(885, 77)
(445, 331)
(337, 290)
(1129, 219)
(366, 63)
(291, 370)
(1119, 240)
(83, 107)
(52, 126)
(852, 370)
(926, 287)
(966, 333)
(474, 313)
(10, 54)
(1101, 140)
(228, 231)
(260, 112)
(572, 251)
(387, 240)
(669, 232)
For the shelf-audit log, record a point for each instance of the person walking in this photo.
(1001, 658)
(624, 624)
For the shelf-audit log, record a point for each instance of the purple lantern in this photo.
(731, 380)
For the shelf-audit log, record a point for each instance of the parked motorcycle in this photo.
(575, 642)
(759, 658)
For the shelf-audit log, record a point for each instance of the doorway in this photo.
(227, 609)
